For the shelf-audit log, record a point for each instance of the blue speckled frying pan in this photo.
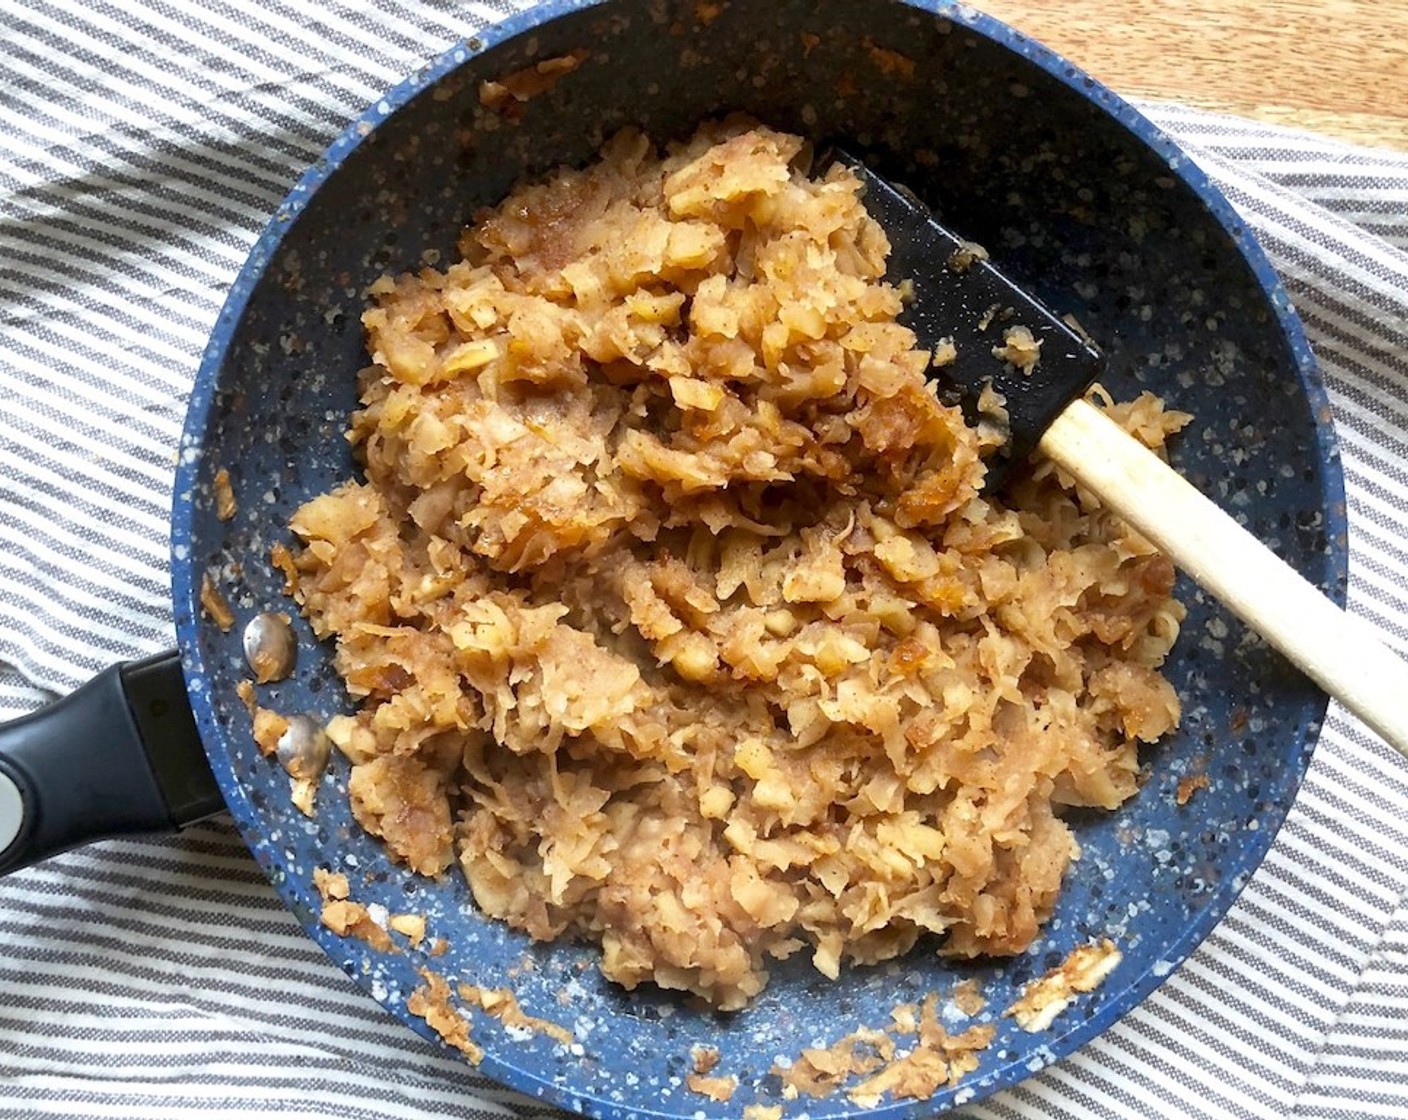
(1086, 203)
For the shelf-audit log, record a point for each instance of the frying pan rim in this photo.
(1251, 852)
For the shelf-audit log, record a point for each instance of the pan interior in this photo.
(1082, 202)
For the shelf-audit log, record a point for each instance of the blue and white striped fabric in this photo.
(142, 146)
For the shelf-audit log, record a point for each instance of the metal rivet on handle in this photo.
(304, 747)
(270, 647)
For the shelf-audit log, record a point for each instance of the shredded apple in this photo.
(671, 604)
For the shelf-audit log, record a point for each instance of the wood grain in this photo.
(1338, 67)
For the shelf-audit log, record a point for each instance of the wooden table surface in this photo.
(1338, 67)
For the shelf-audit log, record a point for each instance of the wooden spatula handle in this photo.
(1340, 653)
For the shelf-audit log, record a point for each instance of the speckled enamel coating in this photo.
(1081, 198)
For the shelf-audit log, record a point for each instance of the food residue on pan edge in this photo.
(705, 1059)
(935, 1059)
(410, 926)
(214, 603)
(512, 91)
(344, 917)
(431, 1002)
(297, 742)
(502, 1004)
(890, 1064)
(968, 997)
(1083, 970)
(966, 255)
(225, 504)
(373, 925)
(1188, 785)
(719, 1089)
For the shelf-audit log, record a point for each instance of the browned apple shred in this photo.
(1083, 970)
(345, 917)
(214, 604)
(932, 1060)
(502, 1004)
(672, 607)
(719, 1089)
(225, 504)
(431, 1001)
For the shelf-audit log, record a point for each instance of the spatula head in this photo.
(961, 297)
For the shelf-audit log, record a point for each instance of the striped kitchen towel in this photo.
(142, 146)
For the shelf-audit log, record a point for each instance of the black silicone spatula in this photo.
(962, 297)
(966, 299)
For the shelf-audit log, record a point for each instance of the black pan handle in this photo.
(118, 756)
